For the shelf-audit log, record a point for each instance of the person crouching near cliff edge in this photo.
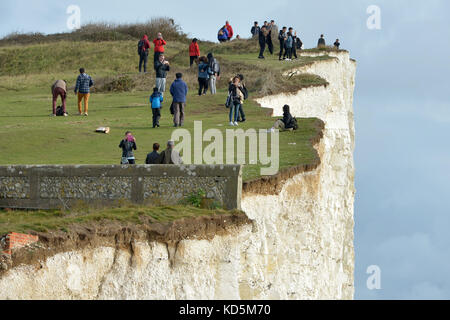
(128, 144)
(288, 123)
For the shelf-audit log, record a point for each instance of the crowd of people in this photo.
(168, 156)
(208, 74)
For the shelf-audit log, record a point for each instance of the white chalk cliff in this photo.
(300, 245)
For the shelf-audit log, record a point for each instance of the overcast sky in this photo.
(402, 110)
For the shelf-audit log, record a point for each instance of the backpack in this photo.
(245, 92)
(294, 120)
(229, 101)
(59, 111)
(141, 45)
(216, 66)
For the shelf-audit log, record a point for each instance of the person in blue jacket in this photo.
(179, 91)
(203, 76)
(155, 100)
(223, 34)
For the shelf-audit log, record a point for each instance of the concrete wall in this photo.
(53, 187)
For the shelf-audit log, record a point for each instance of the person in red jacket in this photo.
(230, 30)
(159, 46)
(194, 51)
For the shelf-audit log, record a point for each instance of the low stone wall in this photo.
(54, 187)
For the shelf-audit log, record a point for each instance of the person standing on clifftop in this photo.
(321, 43)
(161, 67)
(159, 43)
(337, 44)
(179, 91)
(230, 30)
(128, 144)
(262, 41)
(194, 52)
(282, 38)
(82, 88)
(143, 48)
(255, 30)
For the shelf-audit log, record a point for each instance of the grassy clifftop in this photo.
(29, 64)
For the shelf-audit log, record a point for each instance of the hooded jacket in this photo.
(213, 65)
(194, 50)
(230, 30)
(146, 43)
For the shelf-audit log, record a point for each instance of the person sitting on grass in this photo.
(156, 100)
(128, 144)
(288, 123)
(153, 157)
(170, 156)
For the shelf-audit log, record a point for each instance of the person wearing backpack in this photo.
(59, 88)
(143, 49)
(194, 52)
(159, 43)
(82, 87)
(214, 72)
(128, 144)
(203, 76)
(288, 123)
(156, 99)
(289, 45)
(222, 36)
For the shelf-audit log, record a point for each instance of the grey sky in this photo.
(401, 105)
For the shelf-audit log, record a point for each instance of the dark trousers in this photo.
(288, 53)
(241, 117)
(282, 49)
(59, 92)
(192, 60)
(143, 60)
(270, 44)
(262, 49)
(294, 51)
(156, 117)
(203, 86)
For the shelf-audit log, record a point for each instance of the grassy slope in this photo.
(30, 136)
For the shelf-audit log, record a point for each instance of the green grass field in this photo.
(30, 136)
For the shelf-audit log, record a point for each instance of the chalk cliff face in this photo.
(300, 245)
